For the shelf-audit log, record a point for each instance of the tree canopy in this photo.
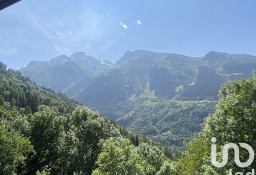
(233, 121)
(45, 133)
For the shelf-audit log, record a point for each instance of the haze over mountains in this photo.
(63, 72)
(166, 96)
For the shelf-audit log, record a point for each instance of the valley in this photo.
(162, 95)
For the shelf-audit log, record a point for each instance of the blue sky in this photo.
(40, 30)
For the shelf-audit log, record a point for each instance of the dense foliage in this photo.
(42, 132)
(167, 121)
(234, 121)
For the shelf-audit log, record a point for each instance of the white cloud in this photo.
(139, 22)
(124, 26)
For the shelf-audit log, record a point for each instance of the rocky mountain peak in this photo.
(61, 59)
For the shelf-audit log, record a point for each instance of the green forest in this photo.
(233, 121)
(46, 133)
(42, 132)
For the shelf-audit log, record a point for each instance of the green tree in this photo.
(235, 118)
(233, 121)
(46, 133)
(89, 128)
(167, 169)
(118, 157)
(153, 157)
(191, 162)
(13, 102)
(28, 110)
(1, 100)
(13, 150)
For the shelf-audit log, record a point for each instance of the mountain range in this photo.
(63, 73)
(163, 95)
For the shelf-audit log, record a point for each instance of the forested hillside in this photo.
(43, 133)
(162, 95)
(234, 121)
(167, 121)
(57, 136)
